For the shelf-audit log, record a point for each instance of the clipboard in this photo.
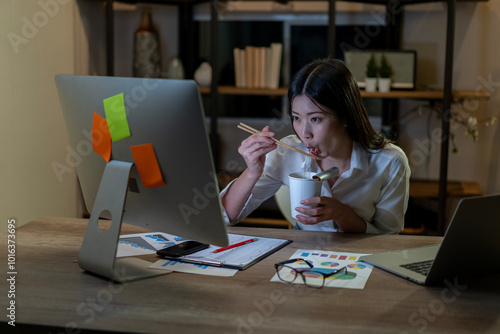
(240, 257)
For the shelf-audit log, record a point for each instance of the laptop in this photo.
(470, 247)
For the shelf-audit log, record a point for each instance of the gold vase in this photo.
(147, 56)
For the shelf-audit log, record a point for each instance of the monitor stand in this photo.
(98, 251)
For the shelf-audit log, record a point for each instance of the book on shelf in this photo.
(258, 66)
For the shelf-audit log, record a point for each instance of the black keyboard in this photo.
(419, 267)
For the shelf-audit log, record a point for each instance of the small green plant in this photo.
(385, 70)
(372, 67)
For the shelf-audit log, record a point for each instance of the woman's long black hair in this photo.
(329, 83)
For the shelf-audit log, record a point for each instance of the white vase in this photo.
(370, 84)
(203, 74)
(175, 69)
(384, 85)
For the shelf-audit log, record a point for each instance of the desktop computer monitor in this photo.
(179, 196)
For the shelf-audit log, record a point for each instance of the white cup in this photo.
(302, 186)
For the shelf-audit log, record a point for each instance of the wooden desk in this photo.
(52, 290)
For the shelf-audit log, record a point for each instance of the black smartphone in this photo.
(184, 248)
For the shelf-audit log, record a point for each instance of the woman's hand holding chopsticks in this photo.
(254, 150)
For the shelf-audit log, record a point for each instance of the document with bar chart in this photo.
(244, 251)
(145, 243)
(355, 276)
(193, 268)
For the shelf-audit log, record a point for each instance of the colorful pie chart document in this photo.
(326, 262)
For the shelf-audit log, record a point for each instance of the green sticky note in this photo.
(116, 115)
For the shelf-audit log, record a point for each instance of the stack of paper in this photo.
(258, 67)
(244, 251)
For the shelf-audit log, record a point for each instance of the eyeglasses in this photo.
(312, 277)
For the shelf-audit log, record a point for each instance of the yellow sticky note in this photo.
(116, 115)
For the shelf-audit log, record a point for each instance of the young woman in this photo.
(330, 121)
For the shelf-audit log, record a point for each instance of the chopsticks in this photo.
(251, 130)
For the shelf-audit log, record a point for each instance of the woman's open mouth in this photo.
(313, 150)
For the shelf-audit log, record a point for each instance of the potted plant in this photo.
(371, 74)
(385, 73)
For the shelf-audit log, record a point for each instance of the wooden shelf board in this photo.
(379, 2)
(265, 222)
(394, 94)
(164, 2)
(425, 94)
(406, 2)
(430, 189)
(232, 90)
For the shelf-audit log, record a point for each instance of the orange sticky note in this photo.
(101, 138)
(147, 165)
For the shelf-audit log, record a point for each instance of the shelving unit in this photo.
(447, 95)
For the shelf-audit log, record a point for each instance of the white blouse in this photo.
(376, 187)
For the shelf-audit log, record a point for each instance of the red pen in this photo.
(234, 245)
